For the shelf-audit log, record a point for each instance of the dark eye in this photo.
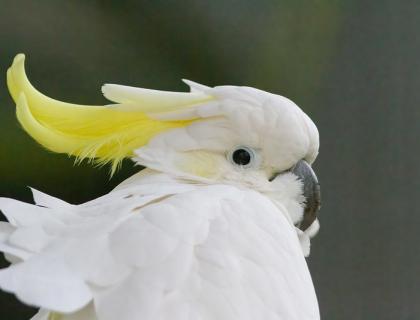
(244, 157)
(241, 157)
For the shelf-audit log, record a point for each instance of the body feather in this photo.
(188, 252)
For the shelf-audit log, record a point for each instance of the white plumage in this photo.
(194, 237)
(155, 250)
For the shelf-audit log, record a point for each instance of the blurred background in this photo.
(353, 66)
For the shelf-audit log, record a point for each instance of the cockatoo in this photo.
(216, 227)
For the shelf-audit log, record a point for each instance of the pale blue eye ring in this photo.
(244, 157)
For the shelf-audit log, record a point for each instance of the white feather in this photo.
(46, 281)
(194, 252)
(46, 200)
(151, 101)
(195, 86)
(41, 315)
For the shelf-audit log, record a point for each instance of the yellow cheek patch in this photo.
(105, 134)
(54, 316)
(200, 163)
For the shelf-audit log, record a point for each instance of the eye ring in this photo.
(243, 157)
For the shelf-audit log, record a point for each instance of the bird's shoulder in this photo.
(180, 249)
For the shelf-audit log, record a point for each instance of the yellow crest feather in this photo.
(103, 133)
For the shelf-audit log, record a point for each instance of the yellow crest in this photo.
(101, 133)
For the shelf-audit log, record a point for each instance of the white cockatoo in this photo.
(216, 227)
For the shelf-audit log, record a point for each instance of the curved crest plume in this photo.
(101, 133)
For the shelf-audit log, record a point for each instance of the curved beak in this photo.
(311, 192)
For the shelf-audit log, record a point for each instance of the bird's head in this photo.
(225, 134)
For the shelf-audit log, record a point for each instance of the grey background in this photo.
(353, 66)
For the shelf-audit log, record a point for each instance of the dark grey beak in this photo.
(311, 192)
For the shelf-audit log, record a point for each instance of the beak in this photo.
(311, 192)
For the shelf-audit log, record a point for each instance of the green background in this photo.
(353, 66)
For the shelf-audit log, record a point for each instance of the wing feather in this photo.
(208, 252)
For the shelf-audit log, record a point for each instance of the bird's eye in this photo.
(243, 156)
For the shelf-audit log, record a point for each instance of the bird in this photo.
(215, 227)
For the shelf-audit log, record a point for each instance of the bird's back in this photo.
(158, 251)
